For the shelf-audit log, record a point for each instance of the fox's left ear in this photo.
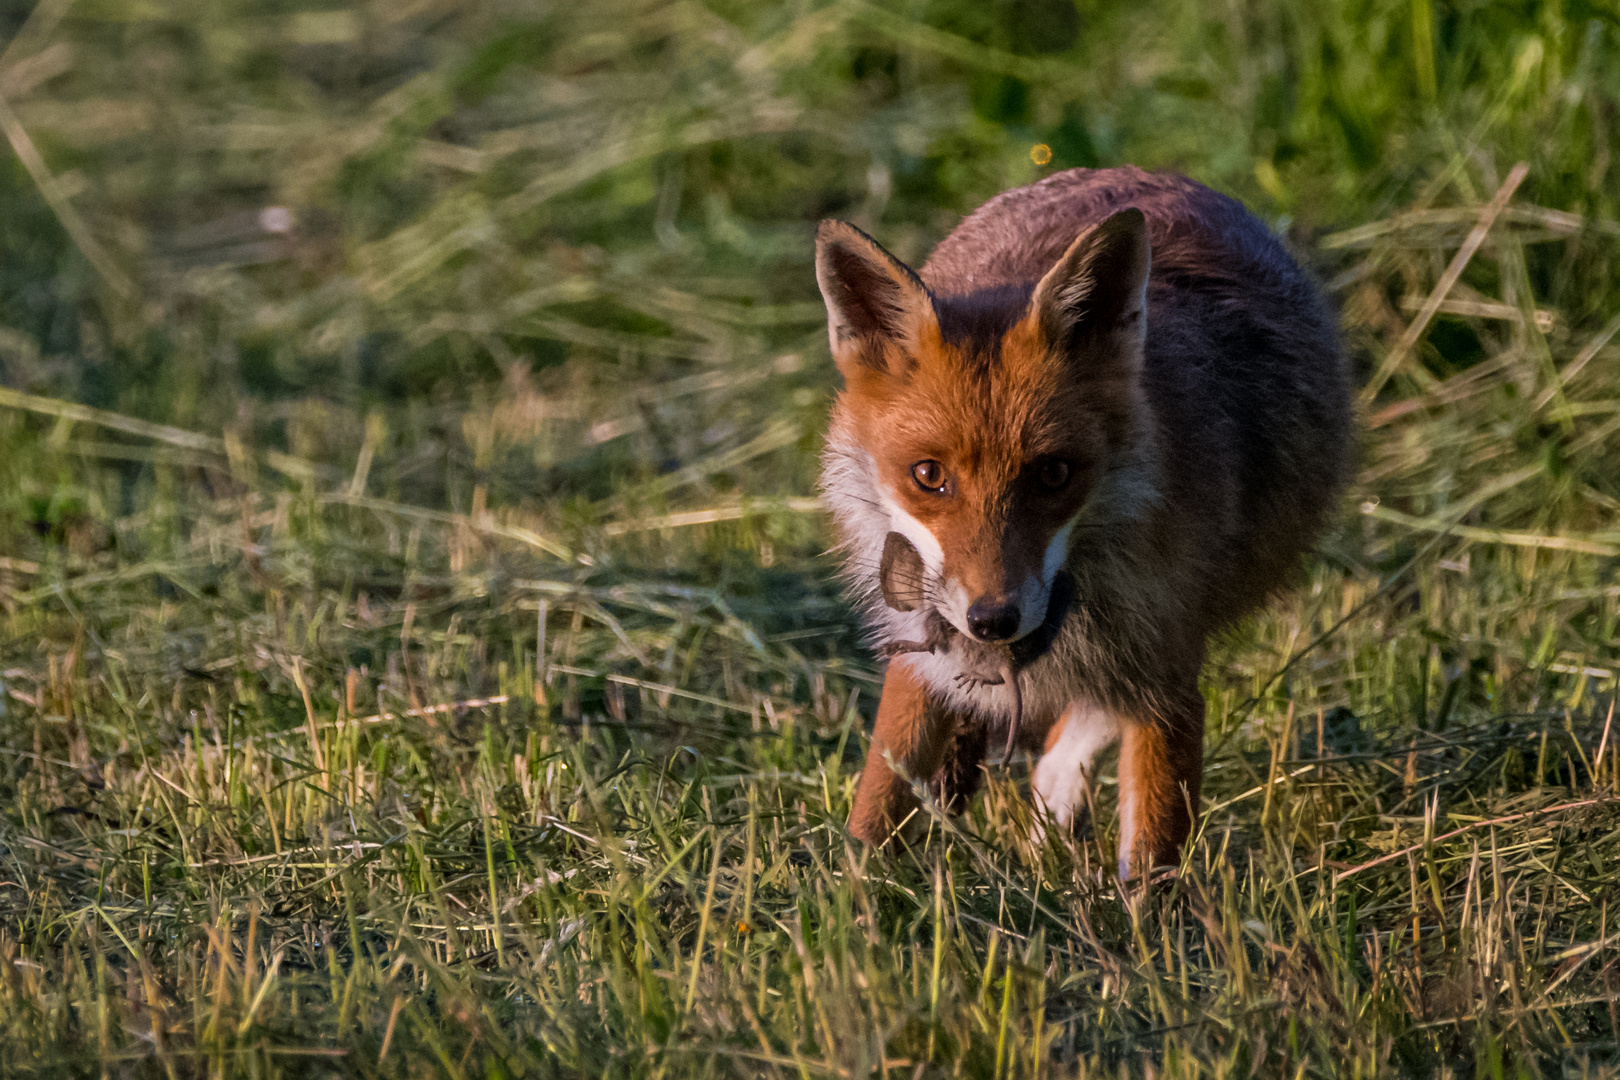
(1095, 298)
(877, 309)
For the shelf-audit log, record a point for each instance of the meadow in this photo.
(419, 654)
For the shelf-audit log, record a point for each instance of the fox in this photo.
(1104, 421)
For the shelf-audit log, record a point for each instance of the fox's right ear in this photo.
(877, 309)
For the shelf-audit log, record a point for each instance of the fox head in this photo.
(990, 420)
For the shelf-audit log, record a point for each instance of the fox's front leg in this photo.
(1062, 781)
(910, 735)
(1161, 772)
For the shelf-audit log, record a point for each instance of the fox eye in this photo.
(1054, 474)
(930, 476)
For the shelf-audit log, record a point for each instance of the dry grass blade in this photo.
(172, 436)
(688, 518)
(1507, 819)
(96, 255)
(1492, 536)
(1459, 262)
(1588, 353)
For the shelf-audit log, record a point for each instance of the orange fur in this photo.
(1161, 772)
(908, 740)
(1108, 415)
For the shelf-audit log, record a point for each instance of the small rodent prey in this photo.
(900, 576)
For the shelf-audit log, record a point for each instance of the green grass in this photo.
(417, 651)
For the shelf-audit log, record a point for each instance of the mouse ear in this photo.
(1094, 301)
(877, 308)
(900, 574)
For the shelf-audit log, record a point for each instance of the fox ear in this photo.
(1096, 295)
(874, 301)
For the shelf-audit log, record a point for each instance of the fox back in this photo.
(1104, 419)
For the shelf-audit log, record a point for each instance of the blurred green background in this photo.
(276, 219)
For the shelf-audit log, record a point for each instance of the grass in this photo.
(417, 655)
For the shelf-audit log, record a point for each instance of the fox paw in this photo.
(970, 681)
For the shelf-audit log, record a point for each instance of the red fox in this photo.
(1105, 419)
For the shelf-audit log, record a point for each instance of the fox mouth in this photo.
(980, 664)
(901, 578)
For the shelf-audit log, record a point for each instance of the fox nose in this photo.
(992, 620)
